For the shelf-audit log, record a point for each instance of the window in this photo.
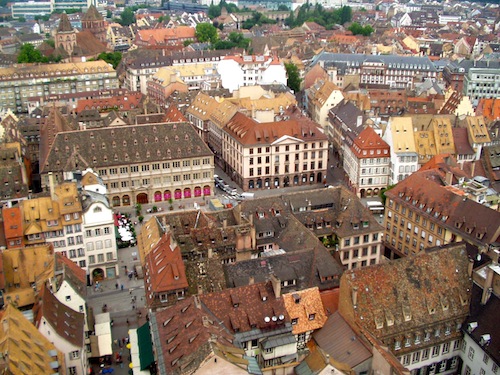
(494, 368)
(109, 256)
(100, 258)
(74, 355)
(471, 353)
(486, 359)
(366, 238)
(72, 254)
(347, 242)
(467, 370)
(482, 372)
(295, 321)
(91, 259)
(435, 350)
(82, 264)
(312, 316)
(72, 370)
(416, 357)
(446, 347)
(425, 354)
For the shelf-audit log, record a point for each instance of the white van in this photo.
(247, 195)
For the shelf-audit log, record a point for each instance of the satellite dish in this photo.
(267, 319)
(281, 317)
(275, 318)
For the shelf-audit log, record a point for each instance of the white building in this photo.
(64, 327)
(99, 229)
(404, 157)
(249, 70)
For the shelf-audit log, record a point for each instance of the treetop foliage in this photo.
(318, 14)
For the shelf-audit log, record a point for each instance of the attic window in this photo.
(103, 146)
(135, 142)
(146, 141)
(312, 316)
(479, 236)
(124, 143)
(167, 321)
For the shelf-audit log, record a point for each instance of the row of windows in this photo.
(98, 245)
(155, 166)
(356, 252)
(267, 159)
(425, 354)
(286, 148)
(356, 239)
(97, 232)
(100, 258)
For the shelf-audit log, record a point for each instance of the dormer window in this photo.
(312, 316)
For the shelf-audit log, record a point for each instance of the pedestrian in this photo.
(128, 322)
(122, 286)
(116, 285)
(133, 307)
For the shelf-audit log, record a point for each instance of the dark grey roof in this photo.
(89, 197)
(348, 113)
(342, 344)
(481, 64)
(127, 144)
(278, 340)
(392, 61)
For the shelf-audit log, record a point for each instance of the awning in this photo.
(145, 346)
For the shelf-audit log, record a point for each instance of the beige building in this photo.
(143, 164)
(321, 97)
(274, 154)
(421, 213)
(25, 81)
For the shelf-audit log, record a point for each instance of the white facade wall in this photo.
(475, 360)
(100, 240)
(74, 356)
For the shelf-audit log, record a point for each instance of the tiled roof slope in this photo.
(185, 331)
(408, 294)
(29, 352)
(105, 147)
(68, 323)
(369, 140)
(243, 309)
(300, 305)
(64, 24)
(474, 222)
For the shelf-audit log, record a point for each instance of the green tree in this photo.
(283, 7)
(239, 40)
(127, 17)
(28, 54)
(357, 29)
(206, 32)
(112, 58)
(382, 195)
(21, 19)
(187, 42)
(294, 80)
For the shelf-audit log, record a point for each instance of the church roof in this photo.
(92, 14)
(64, 24)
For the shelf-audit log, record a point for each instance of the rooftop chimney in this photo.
(487, 286)
(251, 280)
(276, 283)
(354, 296)
(470, 267)
(52, 186)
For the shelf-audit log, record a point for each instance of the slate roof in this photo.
(410, 293)
(106, 147)
(92, 14)
(486, 317)
(66, 322)
(391, 61)
(348, 114)
(11, 172)
(301, 266)
(342, 344)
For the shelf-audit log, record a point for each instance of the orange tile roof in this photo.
(165, 267)
(13, 222)
(307, 307)
(369, 140)
(160, 36)
(174, 115)
(123, 102)
(489, 108)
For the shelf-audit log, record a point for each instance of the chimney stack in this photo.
(354, 296)
(52, 186)
(276, 283)
(251, 280)
(487, 289)
(470, 267)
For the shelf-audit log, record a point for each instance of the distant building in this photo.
(32, 80)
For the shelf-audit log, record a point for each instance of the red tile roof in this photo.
(247, 307)
(174, 115)
(368, 140)
(13, 222)
(250, 132)
(124, 102)
(165, 267)
(70, 267)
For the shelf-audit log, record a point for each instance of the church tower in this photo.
(65, 35)
(94, 22)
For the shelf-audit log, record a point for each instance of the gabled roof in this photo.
(28, 350)
(201, 107)
(165, 267)
(461, 141)
(13, 222)
(478, 131)
(92, 14)
(402, 134)
(305, 306)
(71, 273)
(66, 322)
(368, 140)
(172, 114)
